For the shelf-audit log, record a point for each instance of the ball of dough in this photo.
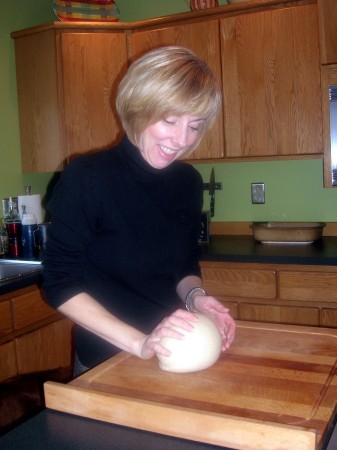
(199, 350)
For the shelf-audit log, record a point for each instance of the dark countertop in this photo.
(237, 249)
(20, 282)
(53, 430)
(246, 249)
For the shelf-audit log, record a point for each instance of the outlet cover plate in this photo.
(258, 193)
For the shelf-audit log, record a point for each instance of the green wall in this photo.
(294, 189)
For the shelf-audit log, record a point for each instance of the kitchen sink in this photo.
(10, 269)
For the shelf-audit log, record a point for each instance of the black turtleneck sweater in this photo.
(125, 233)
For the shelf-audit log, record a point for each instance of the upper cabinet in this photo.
(271, 83)
(327, 15)
(65, 79)
(266, 55)
(203, 39)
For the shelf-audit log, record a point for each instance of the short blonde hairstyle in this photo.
(167, 81)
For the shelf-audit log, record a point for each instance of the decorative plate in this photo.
(86, 10)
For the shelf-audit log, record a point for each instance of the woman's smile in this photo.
(163, 142)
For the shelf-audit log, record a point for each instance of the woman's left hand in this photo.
(209, 305)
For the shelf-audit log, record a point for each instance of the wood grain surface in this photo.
(275, 389)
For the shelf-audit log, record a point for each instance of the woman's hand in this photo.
(150, 345)
(209, 305)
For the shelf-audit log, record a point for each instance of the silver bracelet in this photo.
(189, 297)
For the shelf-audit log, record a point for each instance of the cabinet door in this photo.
(203, 39)
(271, 83)
(8, 366)
(30, 308)
(92, 66)
(46, 348)
(37, 83)
(5, 318)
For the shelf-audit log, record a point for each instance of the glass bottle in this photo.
(29, 226)
(14, 230)
(4, 247)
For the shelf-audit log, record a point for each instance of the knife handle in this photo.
(212, 205)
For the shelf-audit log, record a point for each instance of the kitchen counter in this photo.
(20, 282)
(245, 249)
(59, 431)
(233, 248)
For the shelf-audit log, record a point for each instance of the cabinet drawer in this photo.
(46, 348)
(329, 317)
(308, 286)
(8, 366)
(30, 308)
(5, 318)
(251, 283)
(279, 314)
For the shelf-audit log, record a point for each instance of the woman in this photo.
(122, 253)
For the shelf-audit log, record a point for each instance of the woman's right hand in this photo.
(150, 345)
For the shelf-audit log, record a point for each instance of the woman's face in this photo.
(165, 141)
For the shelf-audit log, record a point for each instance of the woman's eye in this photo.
(195, 129)
(168, 121)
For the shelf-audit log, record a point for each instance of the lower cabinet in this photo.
(278, 293)
(33, 336)
(46, 348)
(8, 366)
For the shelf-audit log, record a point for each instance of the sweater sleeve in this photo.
(74, 218)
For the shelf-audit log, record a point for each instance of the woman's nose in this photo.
(180, 136)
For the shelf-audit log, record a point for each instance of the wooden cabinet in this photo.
(5, 318)
(36, 338)
(266, 55)
(203, 39)
(279, 293)
(327, 14)
(65, 79)
(271, 83)
(8, 365)
(46, 348)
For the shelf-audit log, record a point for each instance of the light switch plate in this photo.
(257, 191)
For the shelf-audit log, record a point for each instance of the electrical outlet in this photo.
(257, 191)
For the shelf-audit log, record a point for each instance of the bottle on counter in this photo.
(29, 226)
(14, 230)
(4, 247)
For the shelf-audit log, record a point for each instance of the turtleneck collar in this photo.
(136, 162)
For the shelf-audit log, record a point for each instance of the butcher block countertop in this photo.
(274, 389)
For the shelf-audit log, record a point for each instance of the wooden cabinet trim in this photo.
(327, 16)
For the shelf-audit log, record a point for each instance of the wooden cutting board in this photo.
(274, 389)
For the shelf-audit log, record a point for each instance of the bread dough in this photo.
(199, 349)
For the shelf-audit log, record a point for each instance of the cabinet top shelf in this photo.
(210, 13)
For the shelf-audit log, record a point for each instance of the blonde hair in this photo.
(167, 81)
